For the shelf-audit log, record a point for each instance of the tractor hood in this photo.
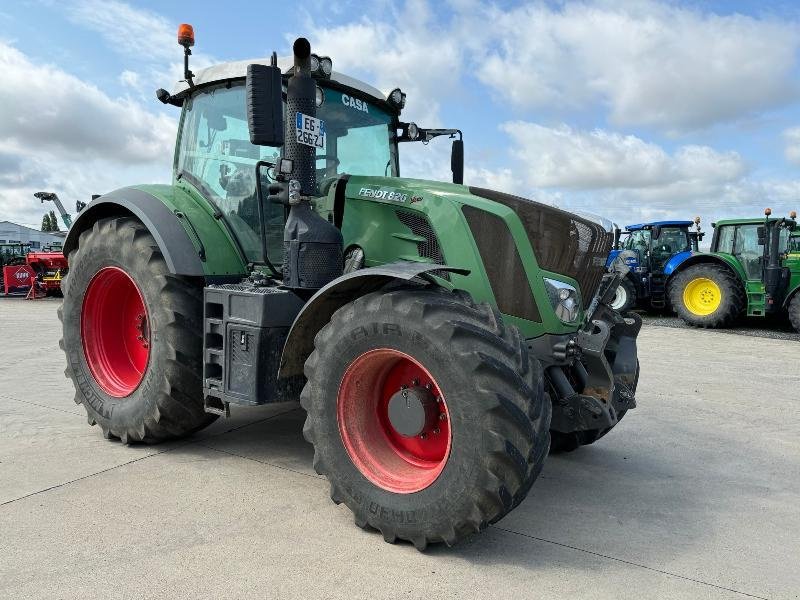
(562, 242)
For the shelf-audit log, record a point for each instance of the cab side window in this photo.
(216, 156)
(725, 239)
(747, 250)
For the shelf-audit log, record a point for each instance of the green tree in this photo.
(53, 222)
(46, 222)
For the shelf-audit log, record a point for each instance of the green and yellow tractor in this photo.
(753, 269)
(437, 335)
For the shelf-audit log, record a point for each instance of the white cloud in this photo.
(59, 132)
(135, 32)
(407, 50)
(567, 158)
(129, 78)
(50, 110)
(144, 39)
(628, 180)
(651, 64)
(792, 148)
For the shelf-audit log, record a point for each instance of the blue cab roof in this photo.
(640, 226)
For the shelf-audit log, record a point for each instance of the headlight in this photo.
(413, 131)
(314, 63)
(564, 299)
(320, 96)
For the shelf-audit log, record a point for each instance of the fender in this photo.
(179, 252)
(611, 256)
(675, 261)
(318, 310)
(791, 294)
(710, 257)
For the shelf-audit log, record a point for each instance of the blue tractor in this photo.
(652, 252)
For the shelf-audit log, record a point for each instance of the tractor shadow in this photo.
(598, 500)
(621, 497)
(618, 497)
(272, 435)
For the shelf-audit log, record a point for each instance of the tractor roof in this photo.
(755, 221)
(640, 226)
(238, 70)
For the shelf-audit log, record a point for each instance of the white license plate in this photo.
(310, 131)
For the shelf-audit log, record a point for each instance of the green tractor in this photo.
(436, 334)
(753, 268)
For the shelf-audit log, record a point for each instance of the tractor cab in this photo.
(652, 251)
(762, 251)
(359, 129)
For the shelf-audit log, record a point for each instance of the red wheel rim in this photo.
(115, 331)
(391, 461)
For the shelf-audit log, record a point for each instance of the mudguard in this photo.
(675, 261)
(179, 252)
(710, 257)
(318, 310)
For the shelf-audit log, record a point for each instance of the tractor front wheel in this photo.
(132, 333)
(625, 297)
(707, 295)
(426, 413)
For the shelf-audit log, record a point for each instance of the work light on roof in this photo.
(397, 98)
(321, 66)
(326, 64)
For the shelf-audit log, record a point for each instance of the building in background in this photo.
(12, 233)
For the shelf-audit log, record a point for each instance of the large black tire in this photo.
(730, 305)
(494, 394)
(168, 403)
(794, 312)
(567, 442)
(625, 297)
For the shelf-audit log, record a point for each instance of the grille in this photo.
(430, 248)
(563, 242)
(503, 265)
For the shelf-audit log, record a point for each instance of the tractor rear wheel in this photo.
(794, 312)
(625, 297)
(426, 412)
(707, 295)
(132, 335)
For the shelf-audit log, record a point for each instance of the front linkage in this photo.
(593, 373)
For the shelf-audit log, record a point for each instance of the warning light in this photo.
(185, 35)
(768, 211)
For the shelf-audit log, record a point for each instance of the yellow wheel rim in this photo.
(702, 296)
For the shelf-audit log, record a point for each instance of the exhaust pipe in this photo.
(312, 247)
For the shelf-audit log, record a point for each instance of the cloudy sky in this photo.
(633, 110)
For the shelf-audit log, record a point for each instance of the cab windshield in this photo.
(216, 156)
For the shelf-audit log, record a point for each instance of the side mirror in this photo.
(264, 105)
(762, 235)
(457, 161)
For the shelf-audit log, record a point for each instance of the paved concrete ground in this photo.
(775, 327)
(695, 495)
